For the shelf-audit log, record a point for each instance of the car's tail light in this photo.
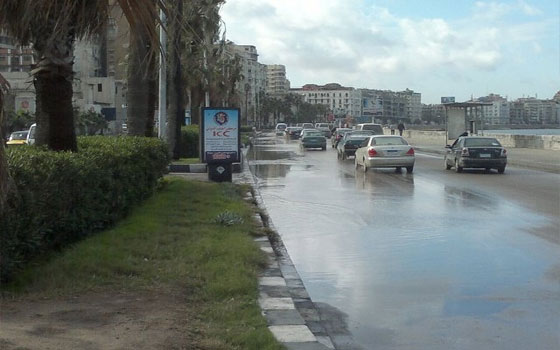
(465, 152)
(503, 153)
(410, 152)
(372, 152)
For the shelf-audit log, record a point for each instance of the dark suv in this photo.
(476, 152)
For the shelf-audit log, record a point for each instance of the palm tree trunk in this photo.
(5, 179)
(53, 89)
(138, 94)
(176, 100)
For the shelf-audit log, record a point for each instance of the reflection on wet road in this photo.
(416, 261)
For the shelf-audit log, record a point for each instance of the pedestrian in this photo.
(392, 129)
(401, 128)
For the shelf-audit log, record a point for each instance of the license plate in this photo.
(392, 150)
(485, 155)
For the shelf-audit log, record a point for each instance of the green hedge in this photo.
(62, 197)
(190, 141)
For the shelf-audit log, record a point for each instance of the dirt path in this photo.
(105, 320)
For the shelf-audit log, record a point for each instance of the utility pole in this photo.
(162, 105)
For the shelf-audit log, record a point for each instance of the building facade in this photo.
(340, 101)
(393, 107)
(276, 83)
(253, 85)
(534, 111)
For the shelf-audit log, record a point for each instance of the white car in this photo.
(280, 129)
(385, 151)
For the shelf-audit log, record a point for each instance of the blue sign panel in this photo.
(220, 135)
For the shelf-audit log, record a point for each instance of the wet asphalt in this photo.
(429, 260)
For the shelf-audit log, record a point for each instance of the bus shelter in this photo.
(463, 117)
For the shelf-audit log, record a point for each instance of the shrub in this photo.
(62, 197)
(190, 141)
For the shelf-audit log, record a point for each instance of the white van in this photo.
(31, 134)
(377, 128)
(280, 128)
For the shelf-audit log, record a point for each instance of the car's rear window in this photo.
(19, 135)
(313, 133)
(376, 128)
(281, 126)
(482, 142)
(388, 141)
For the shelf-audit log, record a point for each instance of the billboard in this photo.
(220, 135)
(448, 99)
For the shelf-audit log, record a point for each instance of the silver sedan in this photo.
(385, 151)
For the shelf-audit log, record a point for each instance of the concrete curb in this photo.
(290, 314)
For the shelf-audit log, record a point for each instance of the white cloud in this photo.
(362, 45)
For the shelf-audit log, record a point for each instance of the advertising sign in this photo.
(449, 99)
(220, 135)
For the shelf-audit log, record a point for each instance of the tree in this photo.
(52, 27)
(5, 179)
(89, 123)
(176, 87)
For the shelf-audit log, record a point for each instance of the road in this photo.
(429, 260)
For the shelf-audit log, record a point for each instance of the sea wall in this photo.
(421, 137)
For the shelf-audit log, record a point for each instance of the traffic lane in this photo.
(537, 191)
(402, 256)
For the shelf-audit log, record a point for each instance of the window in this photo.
(99, 87)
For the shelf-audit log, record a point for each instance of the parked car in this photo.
(31, 134)
(337, 136)
(385, 151)
(307, 126)
(476, 152)
(377, 128)
(324, 128)
(280, 128)
(312, 138)
(349, 143)
(293, 132)
(17, 138)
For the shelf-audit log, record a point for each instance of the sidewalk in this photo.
(538, 159)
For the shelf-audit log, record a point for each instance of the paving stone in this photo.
(274, 291)
(309, 314)
(316, 328)
(292, 334)
(268, 250)
(272, 281)
(289, 272)
(304, 304)
(283, 317)
(272, 272)
(306, 346)
(325, 340)
(299, 293)
(294, 283)
(276, 304)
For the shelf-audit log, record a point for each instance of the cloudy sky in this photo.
(436, 47)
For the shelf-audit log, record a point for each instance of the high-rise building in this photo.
(498, 113)
(396, 106)
(339, 100)
(276, 83)
(531, 110)
(253, 84)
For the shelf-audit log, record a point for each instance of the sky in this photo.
(436, 47)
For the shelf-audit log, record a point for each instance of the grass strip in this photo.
(172, 241)
(186, 161)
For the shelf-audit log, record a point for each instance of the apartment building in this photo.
(276, 83)
(340, 101)
(498, 113)
(395, 106)
(253, 85)
(531, 110)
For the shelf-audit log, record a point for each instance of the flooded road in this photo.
(430, 260)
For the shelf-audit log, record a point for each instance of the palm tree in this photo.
(176, 109)
(5, 180)
(52, 26)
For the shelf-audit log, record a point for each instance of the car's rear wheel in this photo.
(501, 170)
(458, 169)
(409, 169)
(398, 169)
(344, 156)
(324, 148)
(365, 166)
